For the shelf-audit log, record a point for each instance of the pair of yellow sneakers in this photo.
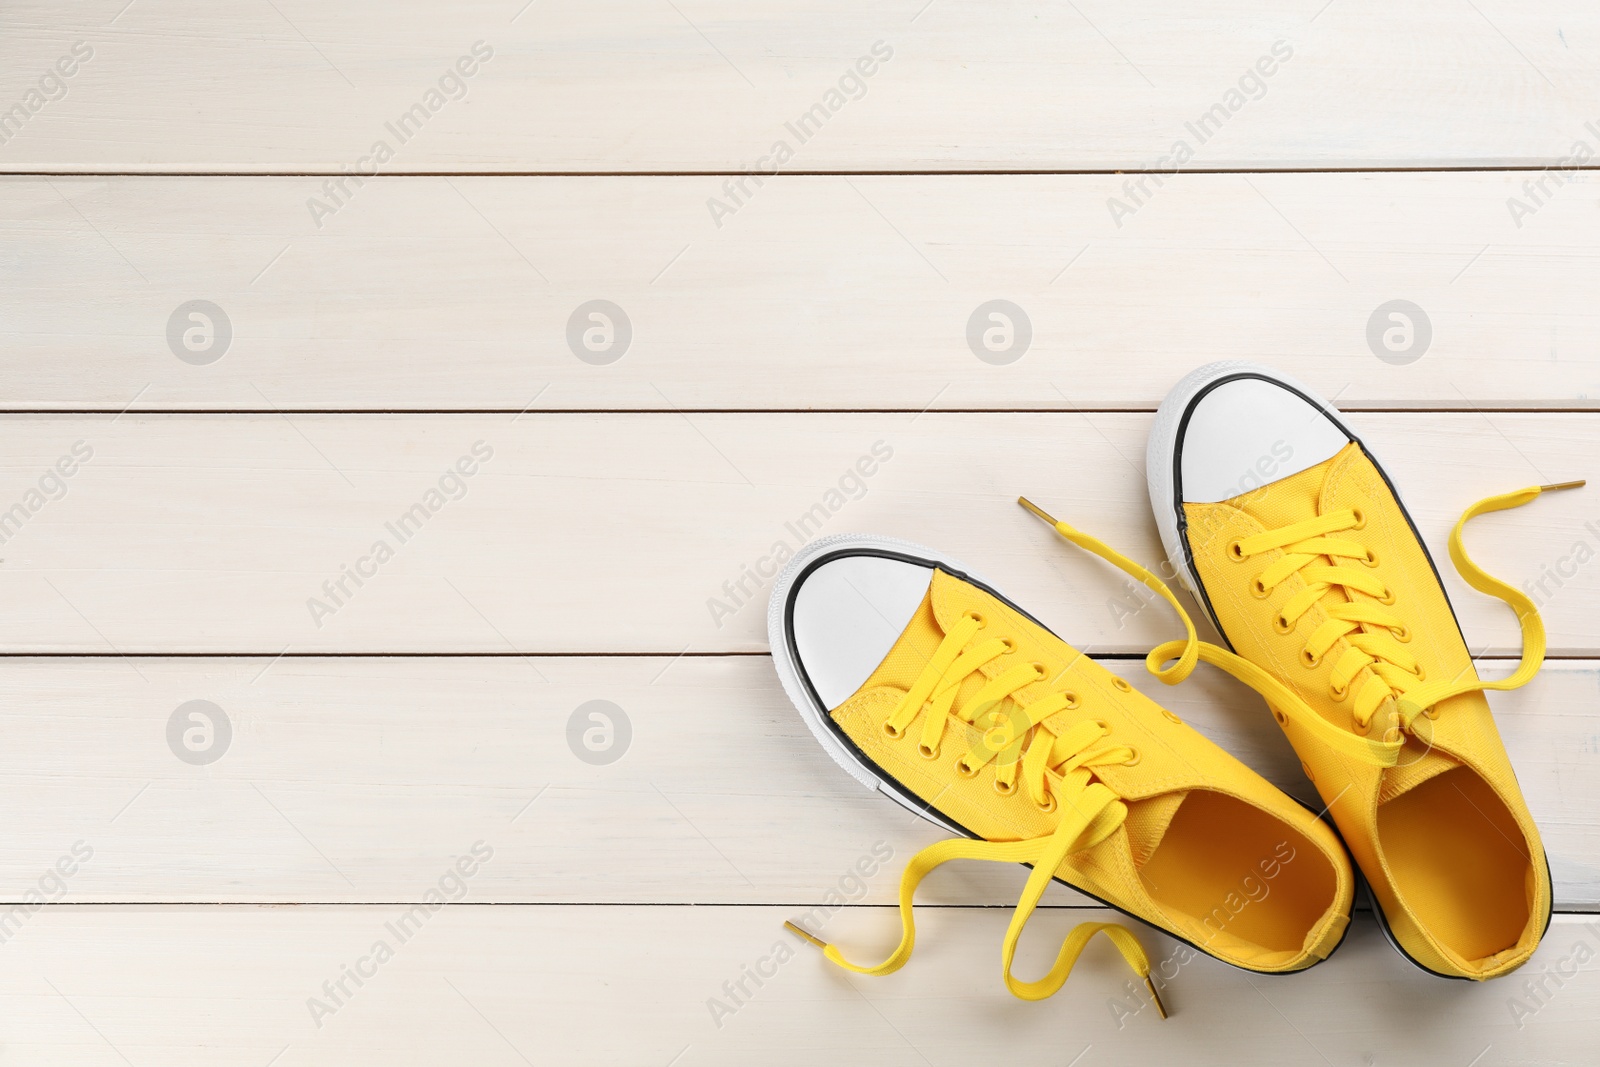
(929, 685)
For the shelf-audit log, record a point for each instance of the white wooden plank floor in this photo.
(822, 292)
(358, 340)
(634, 85)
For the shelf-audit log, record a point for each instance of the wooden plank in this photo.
(356, 780)
(629, 985)
(655, 532)
(634, 86)
(822, 292)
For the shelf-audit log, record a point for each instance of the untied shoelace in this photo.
(1056, 771)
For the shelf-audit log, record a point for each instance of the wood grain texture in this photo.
(631, 985)
(821, 292)
(628, 85)
(659, 532)
(358, 780)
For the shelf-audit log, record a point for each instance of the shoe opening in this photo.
(1241, 883)
(1459, 862)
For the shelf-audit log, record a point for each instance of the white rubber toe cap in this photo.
(848, 613)
(1248, 432)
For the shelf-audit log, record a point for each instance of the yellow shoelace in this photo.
(1056, 773)
(1395, 675)
(1056, 769)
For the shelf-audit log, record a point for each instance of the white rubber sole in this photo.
(815, 716)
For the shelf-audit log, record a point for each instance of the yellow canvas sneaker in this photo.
(928, 685)
(1295, 542)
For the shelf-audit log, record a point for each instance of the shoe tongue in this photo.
(1418, 763)
(1293, 499)
(1147, 823)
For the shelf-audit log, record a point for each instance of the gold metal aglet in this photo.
(1160, 1007)
(1565, 485)
(814, 941)
(1037, 510)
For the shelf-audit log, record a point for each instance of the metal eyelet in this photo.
(1049, 805)
(1122, 684)
(1401, 633)
(1361, 728)
(927, 753)
(1041, 670)
(1308, 660)
(1133, 760)
(1006, 790)
(1371, 559)
(1282, 625)
(1072, 701)
(961, 769)
(1236, 552)
(1422, 673)
(1010, 645)
(1431, 713)
(1283, 720)
(1361, 518)
(1338, 694)
(1171, 717)
(891, 730)
(1387, 599)
(1258, 588)
(977, 617)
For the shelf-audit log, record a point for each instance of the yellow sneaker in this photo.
(1295, 542)
(926, 684)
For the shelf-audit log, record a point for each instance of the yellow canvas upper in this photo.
(1436, 822)
(1075, 772)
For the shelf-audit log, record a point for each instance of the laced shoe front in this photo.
(1323, 588)
(968, 711)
